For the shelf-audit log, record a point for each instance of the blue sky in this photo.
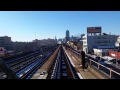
(22, 25)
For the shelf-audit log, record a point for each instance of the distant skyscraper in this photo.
(67, 35)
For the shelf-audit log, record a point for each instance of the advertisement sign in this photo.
(93, 29)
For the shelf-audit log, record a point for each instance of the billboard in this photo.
(94, 30)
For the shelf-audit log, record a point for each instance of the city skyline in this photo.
(30, 25)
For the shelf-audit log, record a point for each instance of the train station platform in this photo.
(89, 73)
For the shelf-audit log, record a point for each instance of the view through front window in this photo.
(59, 45)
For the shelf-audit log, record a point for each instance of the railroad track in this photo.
(24, 67)
(27, 71)
(32, 68)
(62, 68)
